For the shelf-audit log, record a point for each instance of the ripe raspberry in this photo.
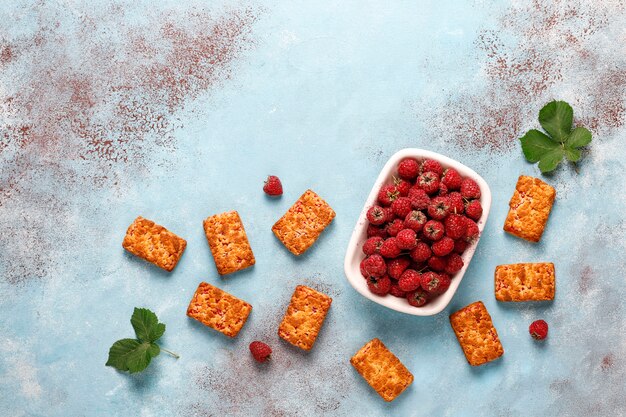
(443, 246)
(273, 186)
(538, 329)
(260, 351)
(389, 216)
(474, 210)
(443, 190)
(396, 291)
(387, 195)
(372, 245)
(408, 169)
(406, 239)
(432, 166)
(469, 189)
(460, 246)
(415, 220)
(421, 253)
(472, 231)
(390, 248)
(439, 208)
(403, 186)
(410, 280)
(457, 204)
(433, 230)
(397, 266)
(373, 265)
(417, 298)
(455, 226)
(401, 207)
(394, 227)
(373, 231)
(428, 182)
(437, 263)
(419, 199)
(379, 286)
(452, 179)
(454, 263)
(430, 282)
(444, 283)
(376, 215)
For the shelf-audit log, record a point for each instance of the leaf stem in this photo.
(170, 352)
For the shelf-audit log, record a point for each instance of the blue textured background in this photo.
(320, 95)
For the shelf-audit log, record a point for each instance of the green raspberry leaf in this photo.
(146, 325)
(572, 154)
(550, 160)
(556, 118)
(131, 355)
(536, 144)
(578, 138)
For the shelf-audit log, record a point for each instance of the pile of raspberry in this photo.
(418, 230)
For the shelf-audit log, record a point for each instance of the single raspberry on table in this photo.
(432, 166)
(273, 186)
(373, 265)
(443, 246)
(452, 179)
(388, 194)
(455, 226)
(394, 227)
(460, 246)
(472, 231)
(396, 291)
(390, 248)
(376, 215)
(373, 231)
(397, 266)
(419, 198)
(379, 285)
(470, 189)
(538, 329)
(439, 208)
(437, 263)
(457, 204)
(443, 190)
(372, 245)
(415, 220)
(260, 351)
(406, 239)
(408, 169)
(474, 210)
(454, 263)
(433, 230)
(401, 207)
(417, 298)
(403, 186)
(429, 182)
(409, 280)
(421, 253)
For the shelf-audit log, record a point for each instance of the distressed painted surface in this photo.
(116, 109)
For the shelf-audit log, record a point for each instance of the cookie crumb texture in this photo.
(154, 243)
(382, 370)
(529, 208)
(228, 242)
(525, 282)
(218, 309)
(303, 223)
(304, 317)
(477, 336)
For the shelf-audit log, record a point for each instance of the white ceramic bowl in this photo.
(354, 254)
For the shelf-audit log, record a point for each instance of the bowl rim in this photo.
(354, 255)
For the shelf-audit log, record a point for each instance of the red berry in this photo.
(474, 210)
(419, 199)
(460, 246)
(417, 298)
(454, 263)
(389, 216)
(433, 230)
(443, 246)
(409, 280)
(456, 226)
(452, 179)
(444, 283)
(403, 186)
(394, 227)
(372, 245)
(260, 351)
(401, 206)
(379, 286)
(432, 166)
(439, 208)
(415, 220)
(429, 182)
(273, 186)
(430, 282)
(406, 239)
(470, 189)
(443, 190)
(373, 265)
(437, 263)
(376, 215)
(396, 291)
(421, 253)
(538, 329)
(408, 169)
(390, 248)
(472, 231)
(397, 266)
(457, 204)
(387, 195)
(373, 231)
